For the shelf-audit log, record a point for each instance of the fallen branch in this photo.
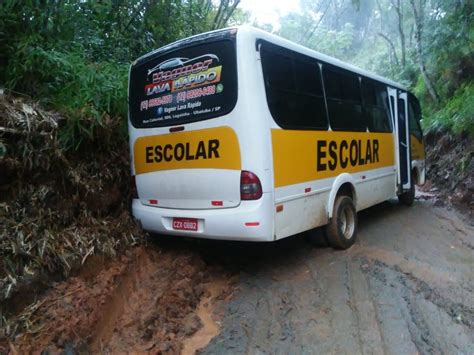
(18, 132)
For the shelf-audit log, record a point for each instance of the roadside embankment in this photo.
(58, 207)
(450, 170)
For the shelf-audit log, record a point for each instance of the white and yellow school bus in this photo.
(238, 134)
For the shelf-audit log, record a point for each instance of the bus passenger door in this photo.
(399, 109)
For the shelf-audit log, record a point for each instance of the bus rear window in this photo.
(189, 84)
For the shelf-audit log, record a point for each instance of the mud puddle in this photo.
(217, 291)
(150, 300)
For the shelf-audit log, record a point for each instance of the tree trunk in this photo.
(229, 13)
(391, 46)
(398, 8)
(417, 14)
(222, 4)
(306, 36)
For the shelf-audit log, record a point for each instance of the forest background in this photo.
(74, 55)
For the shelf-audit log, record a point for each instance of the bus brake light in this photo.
(250, 186)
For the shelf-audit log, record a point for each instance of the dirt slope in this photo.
(450, 170)
(57, 207)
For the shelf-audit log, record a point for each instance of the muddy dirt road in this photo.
(406, 286)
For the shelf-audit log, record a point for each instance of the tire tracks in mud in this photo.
(420, 308)
(372, 307)
(436, 322)
(405, 287)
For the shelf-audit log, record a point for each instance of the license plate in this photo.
(185, 224)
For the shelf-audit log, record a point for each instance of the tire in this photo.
(317, 238)
(407, 198)
(341, 231)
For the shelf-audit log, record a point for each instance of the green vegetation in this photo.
(426, 45)
(85, 92)
(74, 56)
(456, 113)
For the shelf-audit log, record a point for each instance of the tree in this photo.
(419, 19)
(224, 13)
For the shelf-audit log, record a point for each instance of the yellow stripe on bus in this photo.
(213, 148)
(417, 148)
(300, 156)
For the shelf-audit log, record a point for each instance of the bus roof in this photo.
(260, 34)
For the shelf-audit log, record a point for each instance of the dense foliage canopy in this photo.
(74, 55)
(428, 45)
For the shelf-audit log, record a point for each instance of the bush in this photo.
(456, 115)
(87, 93)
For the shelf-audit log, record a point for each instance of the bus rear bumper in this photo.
(250, 221)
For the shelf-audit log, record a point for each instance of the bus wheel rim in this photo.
(347, 222)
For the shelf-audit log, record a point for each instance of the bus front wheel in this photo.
(341, 231)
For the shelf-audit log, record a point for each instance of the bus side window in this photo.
(414, 117)
(401, 111)
(376, 111)
(343, 100)
(293, 88)
(278, 72)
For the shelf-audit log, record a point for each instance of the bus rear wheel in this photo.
(341, 231)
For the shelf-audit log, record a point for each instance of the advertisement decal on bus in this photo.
(196, 83)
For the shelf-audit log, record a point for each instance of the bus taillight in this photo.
(250, 186)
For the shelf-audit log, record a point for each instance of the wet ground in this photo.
(406, 286)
